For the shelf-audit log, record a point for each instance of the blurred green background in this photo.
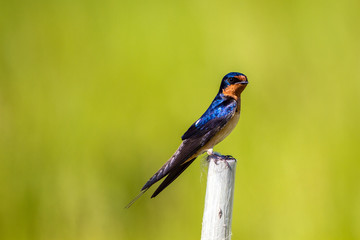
(95, 95)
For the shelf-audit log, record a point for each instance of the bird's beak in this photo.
(243, 80)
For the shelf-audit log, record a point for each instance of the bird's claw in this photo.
(218, 157)
(229, 157)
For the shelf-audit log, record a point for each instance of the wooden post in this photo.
(219, 197)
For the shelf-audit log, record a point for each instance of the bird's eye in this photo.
(232, 80)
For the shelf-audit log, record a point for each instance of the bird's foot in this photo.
(228, 157)
(219, 157)
(211, 153)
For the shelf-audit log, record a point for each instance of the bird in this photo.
(211, 128)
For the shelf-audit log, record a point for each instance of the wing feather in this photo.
(215, 116)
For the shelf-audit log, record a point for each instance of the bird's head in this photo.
(233, 84)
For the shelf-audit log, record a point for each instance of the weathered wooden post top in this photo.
(219, 198)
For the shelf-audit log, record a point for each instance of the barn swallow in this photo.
(211, 128)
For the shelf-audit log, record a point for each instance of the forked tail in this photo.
(136, 198)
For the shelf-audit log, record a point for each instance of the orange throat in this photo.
(234, 91)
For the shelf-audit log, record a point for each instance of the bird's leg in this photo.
(213, 155)
(211, 152)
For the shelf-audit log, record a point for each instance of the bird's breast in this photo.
(224, 132)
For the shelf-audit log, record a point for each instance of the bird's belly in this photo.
(223, 133)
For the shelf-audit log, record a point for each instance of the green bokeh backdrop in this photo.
(95, 95)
